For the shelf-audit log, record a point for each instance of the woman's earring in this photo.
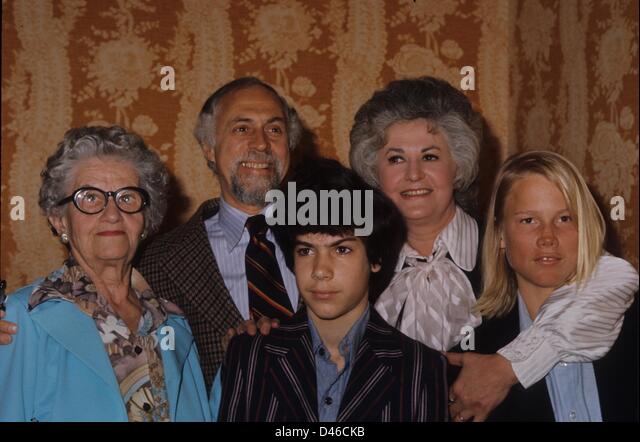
(64, 238)
(143, 235)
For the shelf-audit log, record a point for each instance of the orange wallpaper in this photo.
(575, 91)
(558, 75)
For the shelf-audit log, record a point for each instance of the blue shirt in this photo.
(572, 387)
(331, 384)
(229, 238)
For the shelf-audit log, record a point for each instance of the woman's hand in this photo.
(264, 324)
(483, 383)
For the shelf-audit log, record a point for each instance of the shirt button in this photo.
(328, 401)
(572, 415)
(321, 352)
(563, 364)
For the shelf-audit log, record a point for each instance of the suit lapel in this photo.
(76, 332)
(531, 404)
(194, 269)
(372, 375)
(293, 374)
(174, 357)
(495, 333)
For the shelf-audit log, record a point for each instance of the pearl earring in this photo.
(64, 238)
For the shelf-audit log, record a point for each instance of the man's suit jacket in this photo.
(180, 266)
(273, 378)
(616, 374)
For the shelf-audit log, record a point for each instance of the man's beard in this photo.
(251, 190)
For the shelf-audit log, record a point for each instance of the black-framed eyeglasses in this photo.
(91, 200)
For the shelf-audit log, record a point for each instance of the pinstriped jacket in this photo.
(180, 267)
(273, 378)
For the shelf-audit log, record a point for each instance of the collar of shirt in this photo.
(459, 238)
(348, 345)
(232, 223)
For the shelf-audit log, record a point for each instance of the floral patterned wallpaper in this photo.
(575, 90)
(550, 74)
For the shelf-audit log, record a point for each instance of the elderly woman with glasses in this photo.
(94, 342)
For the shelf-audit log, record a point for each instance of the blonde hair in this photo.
(499, 282)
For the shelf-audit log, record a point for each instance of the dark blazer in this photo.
(273, 378)
(180, 266)
(616, 373)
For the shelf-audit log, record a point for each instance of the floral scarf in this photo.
(135, 357)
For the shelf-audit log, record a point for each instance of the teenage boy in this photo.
(336, 359)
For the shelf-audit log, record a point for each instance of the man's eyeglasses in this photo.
(91, 200)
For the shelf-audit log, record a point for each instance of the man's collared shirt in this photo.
(229, 239)
(332, 384)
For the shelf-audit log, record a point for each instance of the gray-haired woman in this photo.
(418, 140)
(94, 342)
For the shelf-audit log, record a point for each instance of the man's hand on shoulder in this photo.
(264, 325)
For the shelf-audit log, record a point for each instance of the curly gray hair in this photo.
(114, 142)
(435, 100)
(205, 126)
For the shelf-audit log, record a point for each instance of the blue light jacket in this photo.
(57, 369)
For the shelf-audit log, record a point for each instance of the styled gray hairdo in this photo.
(205, 126)
(104, 142)
(433, 99)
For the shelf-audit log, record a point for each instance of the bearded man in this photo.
(223, 266)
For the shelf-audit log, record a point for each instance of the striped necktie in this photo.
(267, 293)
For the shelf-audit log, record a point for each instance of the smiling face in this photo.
(416, 170)
(108, 236)
(332, 273)
(540, 236)
(251, 151)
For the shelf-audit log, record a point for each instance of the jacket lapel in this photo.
(532, 404)
(372, 376)
(201, 283)
(76, 332)
(293, 374)
(174, 356)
